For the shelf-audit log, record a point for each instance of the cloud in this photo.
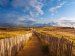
(4, 3)
(31, 8)
(25, 11)
(31, 5)
(37, 6)
(21, 10)
(67, 18)
(19, 3)
(25, 21)
(65, 22)
(55, 9)
(22, 19)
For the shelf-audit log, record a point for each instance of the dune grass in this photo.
(7, 33)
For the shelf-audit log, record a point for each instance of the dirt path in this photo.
(32, 48)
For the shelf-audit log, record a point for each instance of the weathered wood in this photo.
(11, 46)
(57, 46)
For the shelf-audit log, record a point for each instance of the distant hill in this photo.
(29, 23)
(7, 25)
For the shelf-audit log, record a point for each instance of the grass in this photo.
(59, 32)
(10, 32)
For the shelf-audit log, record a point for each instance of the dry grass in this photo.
(58, 32)
(10, 32)
(68, 33)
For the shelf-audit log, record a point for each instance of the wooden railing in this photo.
(56, 46)
(11, 46)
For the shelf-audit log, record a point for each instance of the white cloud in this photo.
(25, 4)
(37, 6)
(67, 18)
(65, 22)
(32, 7)
(21, 19)
(55, 9)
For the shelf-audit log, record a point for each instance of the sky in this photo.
(21, 12)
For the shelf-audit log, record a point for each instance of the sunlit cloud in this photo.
(65, 22)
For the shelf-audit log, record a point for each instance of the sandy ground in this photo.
(32, 48)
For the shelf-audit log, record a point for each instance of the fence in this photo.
(56, 46)
(11, 46)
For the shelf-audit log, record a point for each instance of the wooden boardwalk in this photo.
(32, 48)
(36, 44)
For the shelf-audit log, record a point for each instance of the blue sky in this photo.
(40, 11)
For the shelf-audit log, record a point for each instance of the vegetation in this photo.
(12, 32)
(59, 32)
(50, 41)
